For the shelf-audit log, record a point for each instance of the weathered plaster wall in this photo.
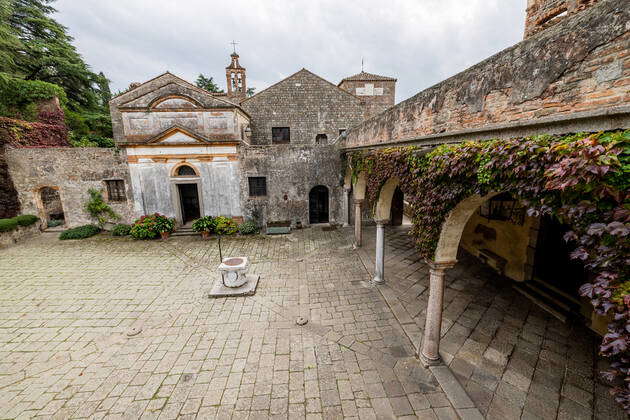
(19, 234)
(167, 100)
(509, 241)
(307, 104)
(579, 67)
(291, 171)
(73, 171)
(155, 189)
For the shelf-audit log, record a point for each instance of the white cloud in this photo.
(418, 41)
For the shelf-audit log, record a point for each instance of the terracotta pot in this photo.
(205, 234)
(165, 235)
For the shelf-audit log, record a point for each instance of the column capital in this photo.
(347, 189)
(441, 265)
(358, 201)
(381, 222)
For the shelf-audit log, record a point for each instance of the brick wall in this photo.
(579, 67)
(306, 103)
(542, 14)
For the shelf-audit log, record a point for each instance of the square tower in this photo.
(236, 80)
(377, 93)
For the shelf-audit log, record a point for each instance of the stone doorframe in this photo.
(176, 200)
(39, 203)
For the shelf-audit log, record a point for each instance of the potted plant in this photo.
(225, 226)
(204, 225)
(164, 225)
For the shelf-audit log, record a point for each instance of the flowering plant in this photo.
(150, 226)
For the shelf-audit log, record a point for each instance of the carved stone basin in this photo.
(234, 271)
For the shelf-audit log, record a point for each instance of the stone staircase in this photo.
(551, 299)
(185, 231)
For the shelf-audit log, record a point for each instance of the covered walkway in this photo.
(513, 358)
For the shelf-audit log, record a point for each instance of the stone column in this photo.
(358, 233)
(430, 353)
(379, 269)
(346, 207)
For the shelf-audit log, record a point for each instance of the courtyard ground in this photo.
(66, 308)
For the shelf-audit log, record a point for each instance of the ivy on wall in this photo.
(17, 133)
(583, 180)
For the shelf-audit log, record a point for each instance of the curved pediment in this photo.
(175, 102)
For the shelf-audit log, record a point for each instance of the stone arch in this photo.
(453, 227)
(175, 101)
(175, 172)
(385, 197)
(50, 204)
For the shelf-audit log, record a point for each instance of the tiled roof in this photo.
(368, 77)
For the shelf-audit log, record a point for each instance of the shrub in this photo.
(225, 226)
(99, 209)
(204, 224)
(80, 232)
(26, 219)
(7, 225)
(150, 226)
(248, 228)
(121, 230)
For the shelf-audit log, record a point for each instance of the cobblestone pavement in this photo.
(513, 358)
(66, 308)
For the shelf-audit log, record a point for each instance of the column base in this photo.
(378, 280)
(426, 362)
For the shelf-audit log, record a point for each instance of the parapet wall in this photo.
(577, 70)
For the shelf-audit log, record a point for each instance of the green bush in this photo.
(121, 230)
(225, 226)
(204, 224)
(7, 225)
(80, 232)
(26, 219)
(248, 228)
(99, 209)
(150, 226)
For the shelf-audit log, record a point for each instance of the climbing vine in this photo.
(582, 180)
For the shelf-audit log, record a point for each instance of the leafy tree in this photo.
(208, 84)
(250, 91)
(9, 42)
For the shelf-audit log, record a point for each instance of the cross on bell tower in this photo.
(235, 75)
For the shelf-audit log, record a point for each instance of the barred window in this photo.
(116, 190)
(186, 170)
(280, 135)
(257, 186)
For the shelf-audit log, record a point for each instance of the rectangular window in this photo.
(280, 135)
(116, 190)
(257, 186)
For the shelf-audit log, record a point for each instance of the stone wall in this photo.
(19, 234)
(307, 104)
(291, 172)
(375, 95)
(574, 76)
(73, 171)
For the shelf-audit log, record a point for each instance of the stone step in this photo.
(551, 299)
(182, 232)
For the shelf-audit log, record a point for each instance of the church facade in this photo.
(271, 157)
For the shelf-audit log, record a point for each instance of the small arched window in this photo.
(186, 170)
(321, 139)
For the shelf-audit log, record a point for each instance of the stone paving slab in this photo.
(513, 359)
(65, 308)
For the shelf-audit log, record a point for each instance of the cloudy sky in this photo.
(420, 42)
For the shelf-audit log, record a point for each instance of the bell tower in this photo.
(236, 81)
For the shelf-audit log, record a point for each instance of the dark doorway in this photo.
(189, 201)
(318, 205)
(398, 208)
(53, 209)
(552, 263)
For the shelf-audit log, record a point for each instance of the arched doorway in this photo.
(52, 207)
(187, 182)
(318, 205)
(398, 208)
